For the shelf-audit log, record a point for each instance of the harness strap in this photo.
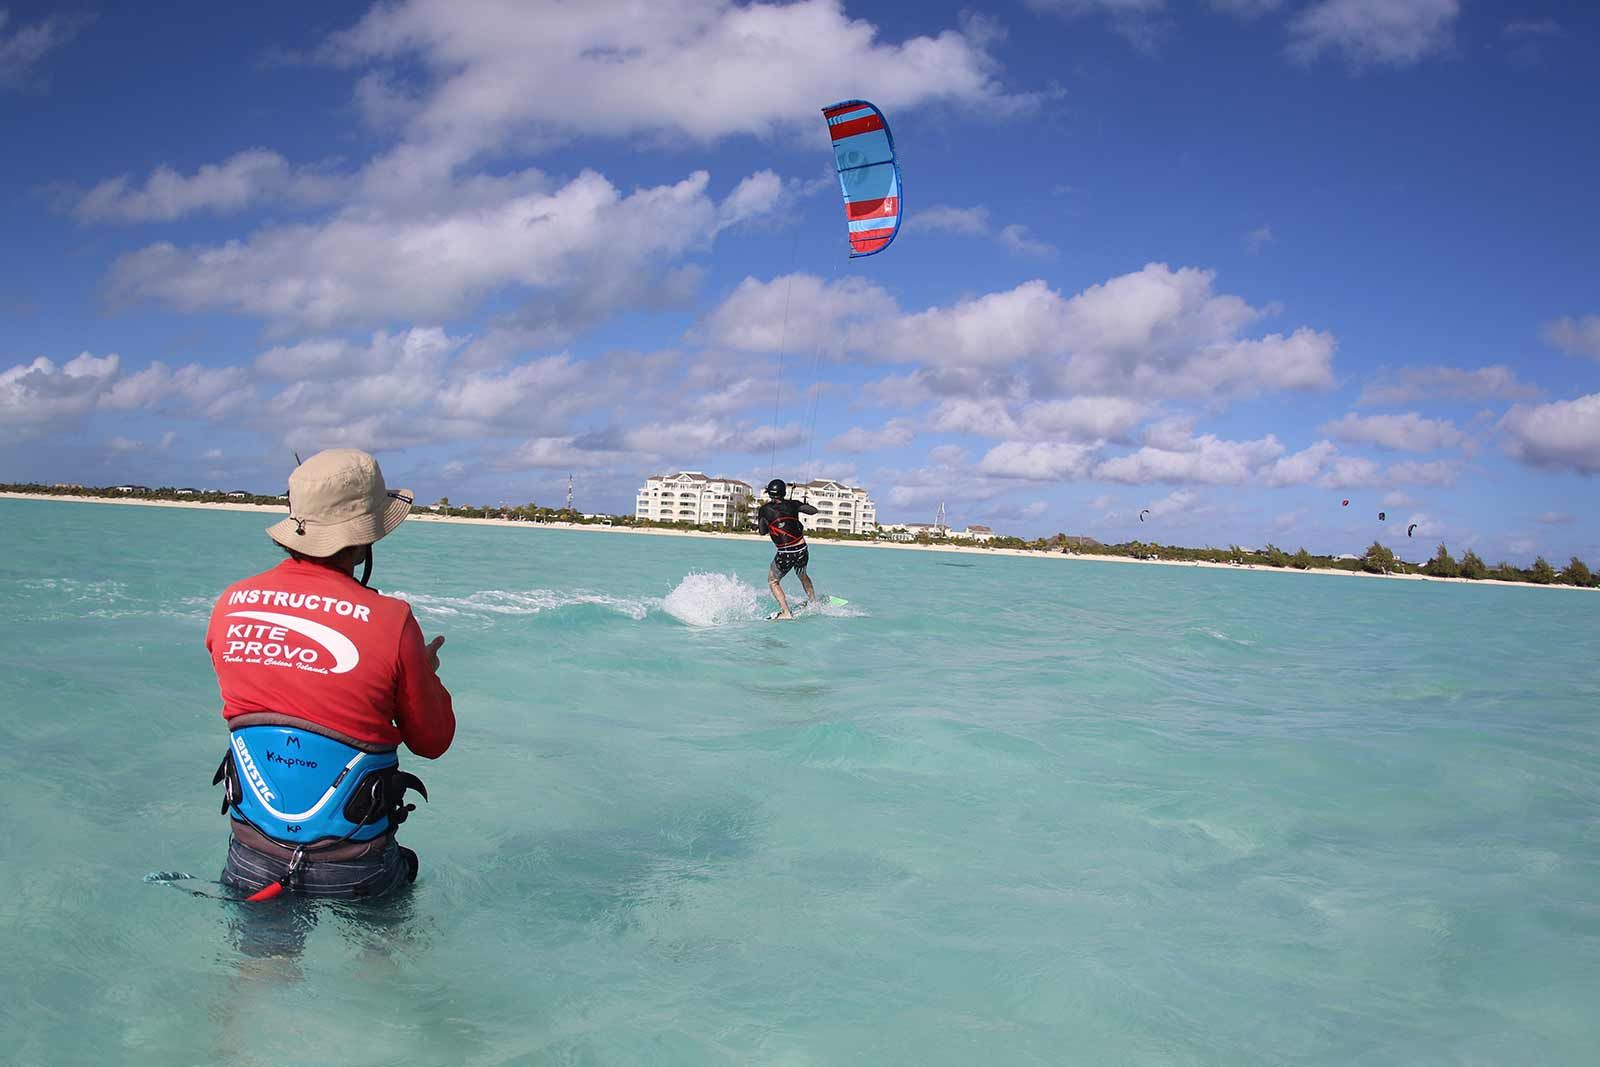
(348, 852)
(225, 773)
(795, 540)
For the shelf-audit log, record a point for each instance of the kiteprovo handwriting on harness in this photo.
(271, 638)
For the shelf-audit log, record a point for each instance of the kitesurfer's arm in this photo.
(423, 711)
(806, 507)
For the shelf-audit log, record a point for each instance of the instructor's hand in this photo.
(433, 652)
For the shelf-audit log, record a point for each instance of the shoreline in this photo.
(422, 515)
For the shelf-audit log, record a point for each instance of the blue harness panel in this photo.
(295, 785)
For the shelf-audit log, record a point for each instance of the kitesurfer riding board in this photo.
(779, 519)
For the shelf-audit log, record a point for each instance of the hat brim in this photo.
(314, 539)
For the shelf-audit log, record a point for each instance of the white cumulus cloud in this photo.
(1180, 503)
(1394, 33)
(193, 390)
(1299, 468)
(372, 264)
(1246, 8)
(967, 221)
(976, 222)
(794, 313)
(241, 181)
(1038, 461)
(563, 453)
(24, 46)
(1409, 432)
(1437, 472)
(1574, 336)
(1142, 22)
(1562, 435)
(1152, 334)
(1015, 238)
(1081, 418)
(1155, 332)
(1351, 472)
(702, 69)
(894, 433)
(1205, 459)
(33, 395)
(754, 197)
(1411, 385)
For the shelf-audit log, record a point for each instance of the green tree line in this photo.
(142, 492)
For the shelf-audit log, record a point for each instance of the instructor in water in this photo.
(322, 680)
(779, 519)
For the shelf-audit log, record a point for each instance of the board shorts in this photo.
(786, 561)
(378, 871)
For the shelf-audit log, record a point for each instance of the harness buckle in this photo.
(295, 861)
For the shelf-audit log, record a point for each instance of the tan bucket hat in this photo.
(337, 499)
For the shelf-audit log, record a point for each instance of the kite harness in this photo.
(308, 792)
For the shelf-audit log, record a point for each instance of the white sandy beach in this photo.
(422, 515)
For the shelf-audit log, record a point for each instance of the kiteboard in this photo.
(831, 602)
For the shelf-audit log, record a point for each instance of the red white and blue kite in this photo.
(869, 174)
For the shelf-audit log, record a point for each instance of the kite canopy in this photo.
(869, 174)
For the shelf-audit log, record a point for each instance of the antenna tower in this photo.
(939, 522)
(569, 492)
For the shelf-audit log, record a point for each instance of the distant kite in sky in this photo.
(1382, 517)
(1411, 529)
(869, 174)
(1143, 513)
(1344, 503)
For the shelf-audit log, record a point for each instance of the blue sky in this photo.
(1233, 261)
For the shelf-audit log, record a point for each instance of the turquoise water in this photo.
(1020, 812)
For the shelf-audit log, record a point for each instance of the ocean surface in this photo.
(995, 811)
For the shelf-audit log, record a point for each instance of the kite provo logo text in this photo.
(273, 639)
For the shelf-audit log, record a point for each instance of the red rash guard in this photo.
(306, 641)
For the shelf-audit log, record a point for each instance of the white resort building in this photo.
(845, 508)
(938, 531)
(910, 531)
(691, 497)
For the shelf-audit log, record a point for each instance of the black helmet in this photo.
(776, 487)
